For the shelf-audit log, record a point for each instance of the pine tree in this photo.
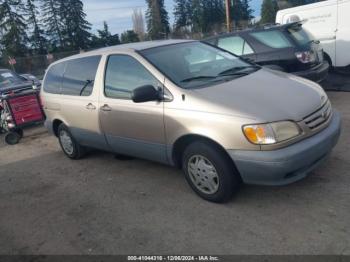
(241, 12)
(76, 27)
(268, 11)
(37, 38)
(129, 36)
(207, 15)
(157, 19)
(51, 13)
(197, 16)
(106, 38)
(182, 13)
(13, 27)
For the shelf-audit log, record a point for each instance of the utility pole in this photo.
(228, 15)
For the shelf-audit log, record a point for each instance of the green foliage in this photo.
(76, 28)
(268, 11)
(129, 36)
(204, 16)
(157, 19)
(104, 38)
(52, 19)
(182, 13)
(37, 40)
(241, 11)
(13, 27)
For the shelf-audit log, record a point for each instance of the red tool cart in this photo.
(18, 111)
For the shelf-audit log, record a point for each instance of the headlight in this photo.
(271, 133)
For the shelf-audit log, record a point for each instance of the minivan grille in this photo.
(319, 117)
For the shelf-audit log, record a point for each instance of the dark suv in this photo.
(288, 48)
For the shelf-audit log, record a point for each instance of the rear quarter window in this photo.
(53, 79)
(79, 76)
(273, 39)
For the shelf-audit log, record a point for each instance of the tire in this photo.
(69, 145)
(218, 180)
(12, 138)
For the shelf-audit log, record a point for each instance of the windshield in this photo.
(8, 78)
(301, 36)
(196, 64)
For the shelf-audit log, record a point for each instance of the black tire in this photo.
(78, 151)
(228, 176)
(12, 138)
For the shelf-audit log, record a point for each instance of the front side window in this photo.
(124, 74)
(79, 76)
(195, 64)
(273, 38)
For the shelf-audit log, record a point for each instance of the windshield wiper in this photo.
(87, 83)
(237, 70)
(197, 78)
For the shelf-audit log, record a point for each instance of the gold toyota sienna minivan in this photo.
(194, 106)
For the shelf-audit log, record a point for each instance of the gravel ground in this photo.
(101, 205)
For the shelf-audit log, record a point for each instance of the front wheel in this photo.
(209, 172)
(68, 144)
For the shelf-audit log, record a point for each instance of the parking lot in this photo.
(102, 205)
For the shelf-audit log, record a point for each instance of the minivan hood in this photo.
(265, 95)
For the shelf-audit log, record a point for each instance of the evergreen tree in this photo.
(197, 16)
(206, 15)
(240, 11)
(182, 13)
(13, 27)
(157, 19)
(268, 11)
(129, 36)
(106, 38)
(37, 39)
(76, 27)
(51, 13)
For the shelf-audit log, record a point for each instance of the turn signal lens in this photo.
(259, 134)
(267, 134)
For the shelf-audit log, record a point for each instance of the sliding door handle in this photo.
(90, 107)
(106, 108)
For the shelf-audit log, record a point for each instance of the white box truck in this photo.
(328, 22)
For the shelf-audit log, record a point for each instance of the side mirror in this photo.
(145, 94)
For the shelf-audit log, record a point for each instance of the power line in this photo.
(114, 8)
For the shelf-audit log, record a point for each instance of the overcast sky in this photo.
(118, 13)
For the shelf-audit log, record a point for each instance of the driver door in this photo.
(135, 129)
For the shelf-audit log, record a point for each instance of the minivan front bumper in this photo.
(289, 164)
(317, 73)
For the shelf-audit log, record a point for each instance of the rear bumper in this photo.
(287, 165)
(317, 73)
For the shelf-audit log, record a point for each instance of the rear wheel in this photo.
(68, 144)
(209, 172)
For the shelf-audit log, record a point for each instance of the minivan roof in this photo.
(126, 47)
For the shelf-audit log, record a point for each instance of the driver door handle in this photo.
(90, 107)
(106, 108)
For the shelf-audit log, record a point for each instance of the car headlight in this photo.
(271, 133)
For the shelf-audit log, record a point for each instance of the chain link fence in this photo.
(35, 65)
